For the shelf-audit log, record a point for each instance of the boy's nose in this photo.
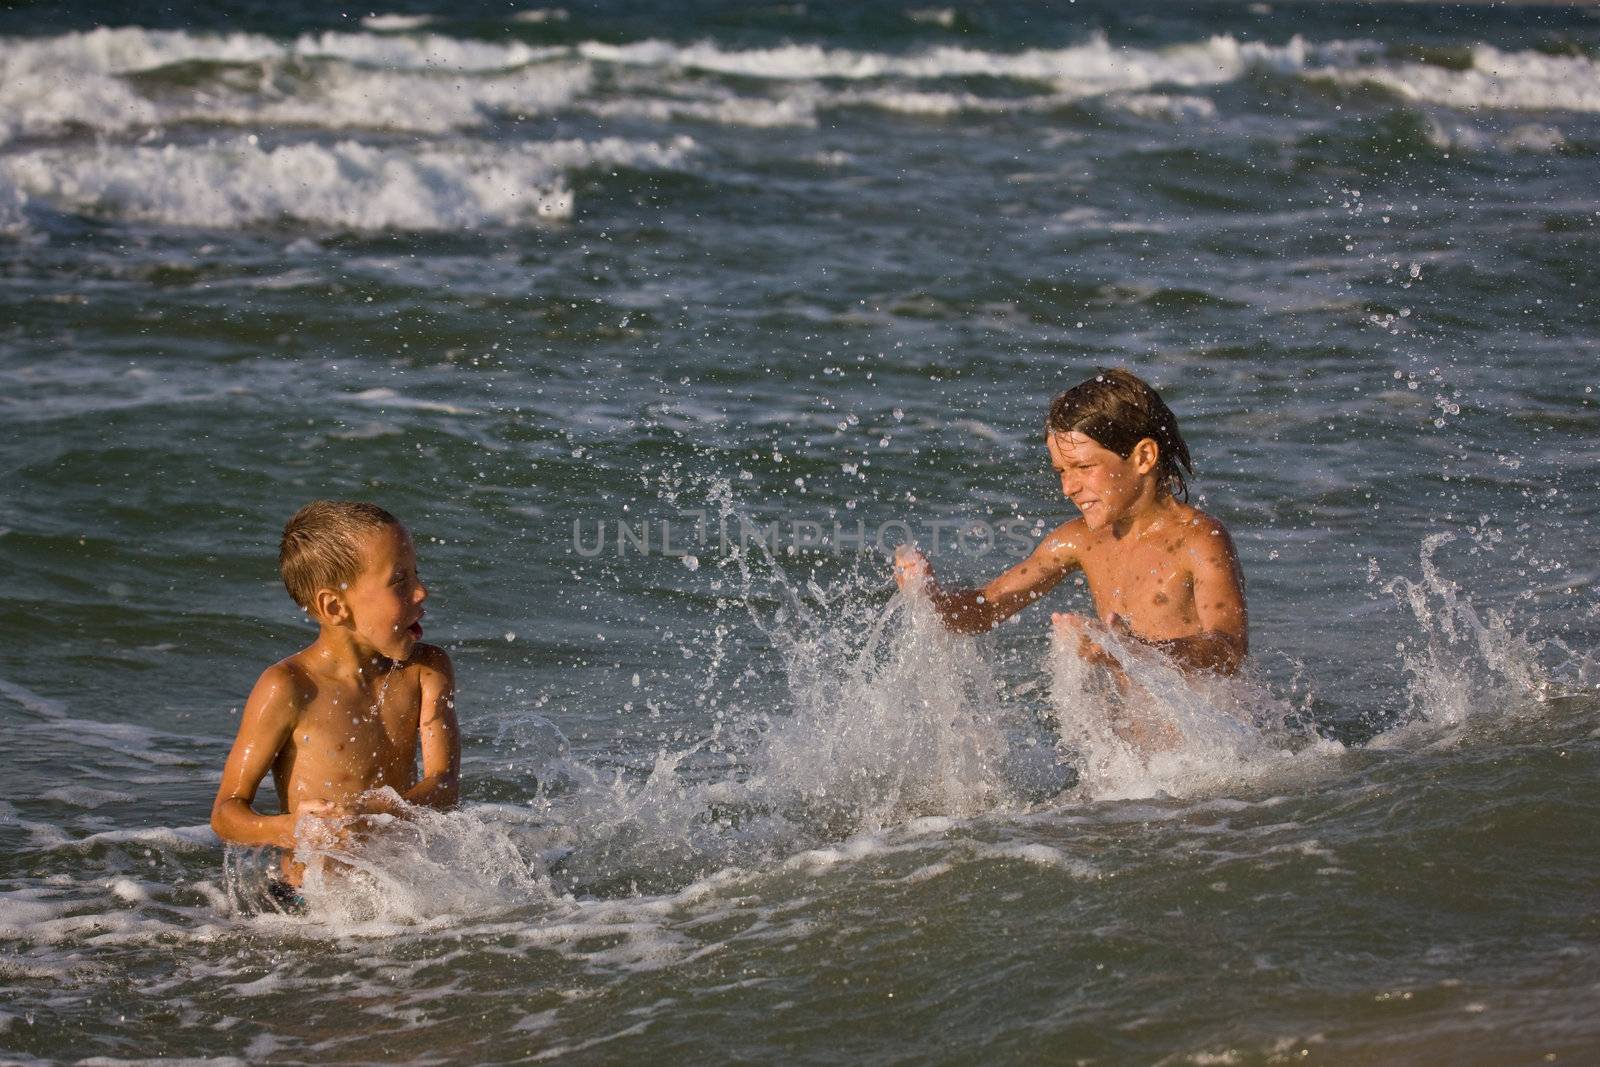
(422, 592)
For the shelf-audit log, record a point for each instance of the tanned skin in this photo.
(344, 719)
(1159, 571)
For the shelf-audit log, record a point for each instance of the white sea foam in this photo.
(83, 796)
(395, 23)
(1537, 138)
(795, 110)
(1511, 81)
(421, 52)
(1177, 108)
(1039, 855)
(1163, 732)
(237, 182)
(24, 909)
(431, 82)
(168, 838)
(542, 14)
(906, 101)
(342, 81)
(1094, 67)
(427, 867)
(344, 97)
(388, 398)
(944, 17)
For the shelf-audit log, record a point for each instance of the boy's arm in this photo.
(1224, 637)
(269, 718)
(440, 738)
(973, 611)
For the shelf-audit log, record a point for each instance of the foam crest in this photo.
(936, 104)
(1533, 137)
(400, 79)
(329, 81)
(47, 87)
(126, 50)
(237, 182)
(395, 23)
(123, 50)
(332, 97)
(1506, 81)
(1090, 68)
(422, 52)
(797, 110)
(343, 97)
(1175, 108)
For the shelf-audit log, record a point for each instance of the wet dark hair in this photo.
(1118, 410)
(321, 546)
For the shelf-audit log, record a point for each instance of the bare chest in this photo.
(347, 740)
(1146, 582)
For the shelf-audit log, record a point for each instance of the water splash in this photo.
(1463, 662)
(906, 725)
(1162, 731)
(885, 716)
(427, 868)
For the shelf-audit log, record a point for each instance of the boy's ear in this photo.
(1146, 454)
(328, 606)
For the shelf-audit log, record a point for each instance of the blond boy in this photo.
(340, 724)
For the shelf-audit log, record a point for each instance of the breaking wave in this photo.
(348, 185)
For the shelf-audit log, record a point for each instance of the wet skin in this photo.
(1158, 570)
(346, 718)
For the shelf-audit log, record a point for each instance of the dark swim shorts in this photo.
(285, 897)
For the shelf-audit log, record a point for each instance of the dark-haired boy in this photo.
(340, 723)
(1159, 571)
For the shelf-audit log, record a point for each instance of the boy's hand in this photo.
(1070, 626)
(326, 825)
(911, 567)
(321, 825)
(383, 801)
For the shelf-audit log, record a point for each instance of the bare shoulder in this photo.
(1204, 535)
(289, 680)
(1067, 541)
(281, 695)
(433, 661)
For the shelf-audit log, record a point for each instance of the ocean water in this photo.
(659, 325)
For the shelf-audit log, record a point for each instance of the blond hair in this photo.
(321, 546)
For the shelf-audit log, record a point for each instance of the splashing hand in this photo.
(911, 567)
(1072, 627)
(320, 824)
(383, 801)
(327, 825)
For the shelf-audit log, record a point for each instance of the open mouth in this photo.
(415, 629)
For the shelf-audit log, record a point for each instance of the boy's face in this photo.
(1101, 484)
(385, 599)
